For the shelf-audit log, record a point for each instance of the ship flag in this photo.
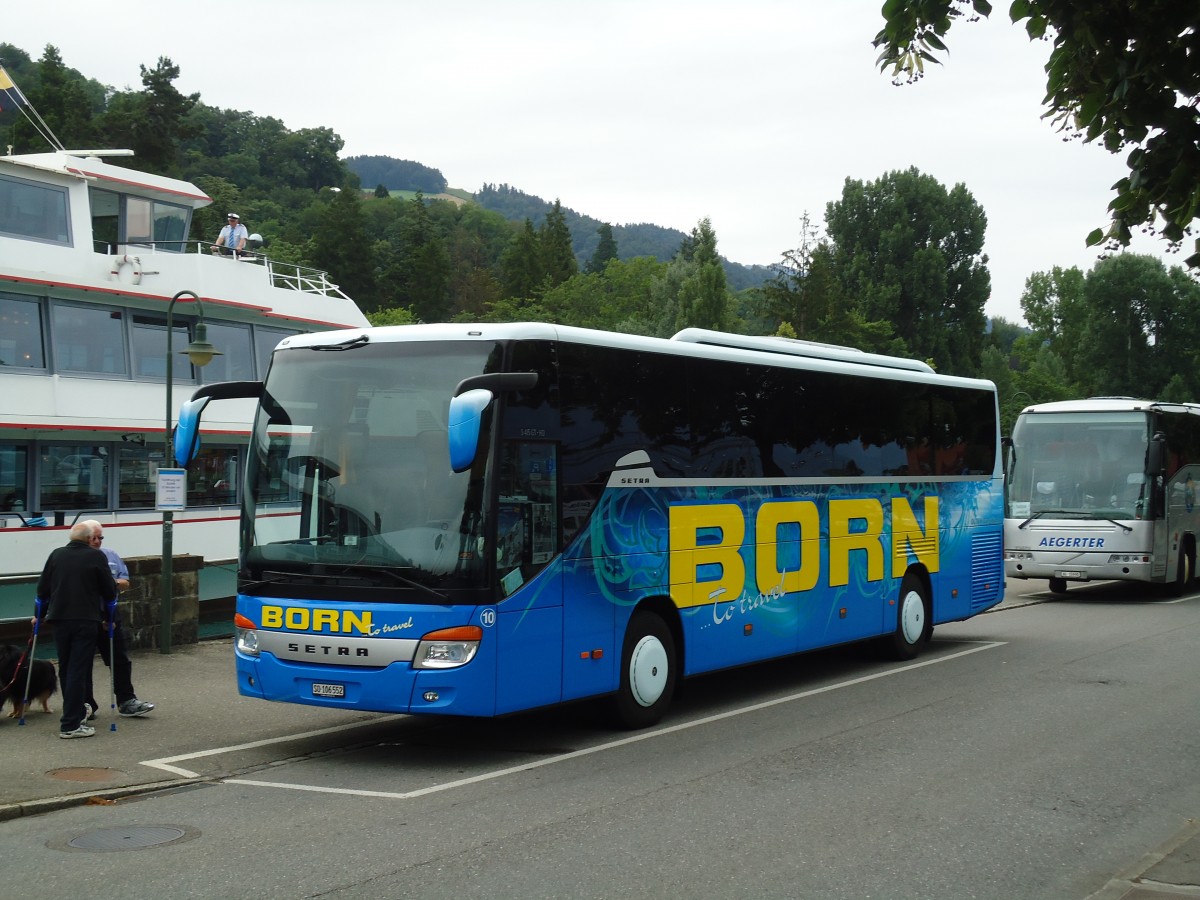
(11, 99)
(10, 95)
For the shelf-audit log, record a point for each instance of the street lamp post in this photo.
(200, 352)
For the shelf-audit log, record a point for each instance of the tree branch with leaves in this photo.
(1125, 73)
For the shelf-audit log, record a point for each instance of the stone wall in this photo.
(142, 603)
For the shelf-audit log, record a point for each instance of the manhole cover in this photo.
(129, 837)
(82, 773)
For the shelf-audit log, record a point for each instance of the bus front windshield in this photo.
(1078, 465)
(349, 478)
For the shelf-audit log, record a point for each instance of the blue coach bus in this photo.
(480, 519)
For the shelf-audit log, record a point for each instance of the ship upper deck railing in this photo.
(284, 275)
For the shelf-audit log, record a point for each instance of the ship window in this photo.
(13, 462)
(137, 469)
(73, 477)
(236, 362)
(37, 212)
(212, 477)
(21, 344)
(265, 341)
(148, 340)
(88, 339)
(137, 220)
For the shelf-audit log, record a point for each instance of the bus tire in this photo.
(913, 628)
(648, 671)
(1183, 572)
(1058, 585)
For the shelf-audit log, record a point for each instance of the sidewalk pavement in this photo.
(202, 730)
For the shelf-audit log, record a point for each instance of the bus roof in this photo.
(794, 347)
(1112, 404)
(698, 342)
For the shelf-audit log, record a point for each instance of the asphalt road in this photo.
(1034, 752)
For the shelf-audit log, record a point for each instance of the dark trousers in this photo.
(75, 642)
(122, 671)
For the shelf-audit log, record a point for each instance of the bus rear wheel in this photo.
(648, 671)
(913, 628)
(1183, 573)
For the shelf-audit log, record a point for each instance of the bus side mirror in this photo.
(464, 424)
(1155, 454)
(187, 432)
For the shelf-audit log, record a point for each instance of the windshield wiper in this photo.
(349, 344)
(1068, 513)
(315, 539)
(395, 576)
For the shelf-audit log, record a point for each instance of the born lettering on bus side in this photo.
(323, 621)
(708, 537)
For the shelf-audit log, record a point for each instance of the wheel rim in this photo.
(648, 670)
(912, 617)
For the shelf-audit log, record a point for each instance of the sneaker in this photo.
(135, 707)
(81, 732)
(89, 714)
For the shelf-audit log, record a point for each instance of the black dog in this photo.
(14, 675)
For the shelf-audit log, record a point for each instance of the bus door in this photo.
(530, 612)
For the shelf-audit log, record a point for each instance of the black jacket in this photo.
(76, 584)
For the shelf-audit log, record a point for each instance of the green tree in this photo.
(702, 299)
(62, 98)
(1055, 308)
(154, 121)
(910, 253)
(521, 269)
(554, 238)
(423, 266)
(1122, 72)
(798, 294)
(606, 250)
(381, 191)
(341, 247)
(1130, 303)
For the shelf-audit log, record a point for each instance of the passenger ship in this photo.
(93, 257)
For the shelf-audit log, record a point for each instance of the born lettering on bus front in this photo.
(326, 621)
(706, 539)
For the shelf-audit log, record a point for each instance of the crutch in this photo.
(37, 618)
(112, 661)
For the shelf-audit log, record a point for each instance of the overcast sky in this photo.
(749, 112)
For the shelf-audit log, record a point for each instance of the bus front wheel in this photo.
(648, 671)
(913, 628)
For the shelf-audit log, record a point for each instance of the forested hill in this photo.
(642, 239)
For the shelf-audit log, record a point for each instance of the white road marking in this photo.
(577, 754)
(165, 762)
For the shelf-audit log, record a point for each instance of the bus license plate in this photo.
(329, 690)
(1066, 573)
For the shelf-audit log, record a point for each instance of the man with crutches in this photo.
(112, 644)
(74, 591)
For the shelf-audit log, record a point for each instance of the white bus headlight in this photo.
(448, 648)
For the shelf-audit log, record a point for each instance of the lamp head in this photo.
(200, 351)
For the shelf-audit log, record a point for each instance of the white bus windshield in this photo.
(1078, 465)
(349, 476)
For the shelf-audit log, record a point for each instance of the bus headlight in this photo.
(245, 635)
(448, 648)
